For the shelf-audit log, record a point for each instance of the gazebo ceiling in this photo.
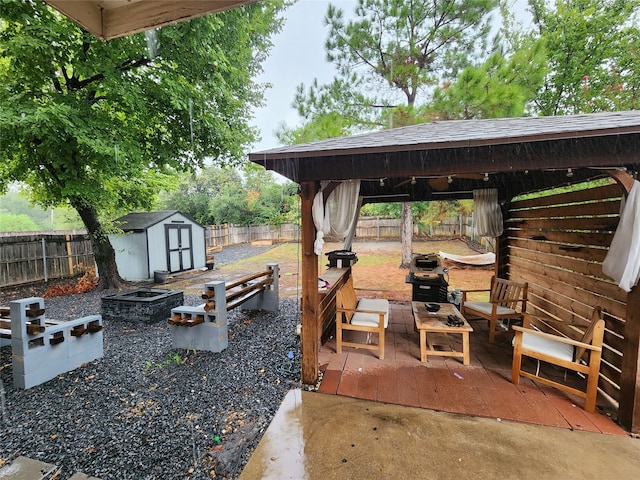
(443, 160)
(109, 19)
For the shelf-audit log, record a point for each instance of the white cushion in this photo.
(560, 350)
(371, 319)
(485, 307)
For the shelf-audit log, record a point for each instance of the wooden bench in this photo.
(507, 301)
(370, 315)
(208, 322)
(564, 352)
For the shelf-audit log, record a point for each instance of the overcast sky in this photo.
(298, 56)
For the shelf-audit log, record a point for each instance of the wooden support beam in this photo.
(624, 178)
(629, 404)
(310, 321)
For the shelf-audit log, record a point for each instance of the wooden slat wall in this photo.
(557, 243)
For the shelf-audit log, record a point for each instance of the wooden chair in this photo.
(507, 301)
(564, 352)
(369, 315)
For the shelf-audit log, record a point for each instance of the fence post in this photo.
(69, 256)
(44, 259)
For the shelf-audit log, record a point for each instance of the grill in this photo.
(427, 275)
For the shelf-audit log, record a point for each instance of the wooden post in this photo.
(309, 271)
(629, 404)
(69, 256)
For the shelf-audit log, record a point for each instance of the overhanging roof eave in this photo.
(460, 134)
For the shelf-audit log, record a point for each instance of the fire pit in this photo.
(148, 305)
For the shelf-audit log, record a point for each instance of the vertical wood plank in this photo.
(629, 405)
(309, 270)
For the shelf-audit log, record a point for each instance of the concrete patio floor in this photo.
(316, 436)
(399, 418)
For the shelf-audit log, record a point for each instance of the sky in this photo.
(298, 56)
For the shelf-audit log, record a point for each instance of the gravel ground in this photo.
(147, 411)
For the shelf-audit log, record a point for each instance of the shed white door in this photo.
(179, 248)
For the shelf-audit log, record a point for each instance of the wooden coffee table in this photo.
(435, 324)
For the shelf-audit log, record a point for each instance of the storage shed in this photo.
(165, 241)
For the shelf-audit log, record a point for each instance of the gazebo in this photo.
(555, 241)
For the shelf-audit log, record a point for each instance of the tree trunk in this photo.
(407, 234)
(103, 251)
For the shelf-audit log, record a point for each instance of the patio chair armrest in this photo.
(474, 290)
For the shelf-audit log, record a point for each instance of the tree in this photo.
(103, 126)
(498, 88)
(61, 218)
(11, 222)
(225, 195)
(593, 55)
(402, 47)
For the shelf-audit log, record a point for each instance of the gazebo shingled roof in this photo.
(517, 154)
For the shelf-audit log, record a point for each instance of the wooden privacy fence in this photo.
(557, 243)
(46, 256)
(32, 258)
(229, 234)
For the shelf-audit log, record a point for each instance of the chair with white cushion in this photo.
(370, 315)
(507, 301)
(582, 355)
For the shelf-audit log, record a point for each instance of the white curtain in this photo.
(622, 262)
(321, 223)
(337, 216)
(488, 215)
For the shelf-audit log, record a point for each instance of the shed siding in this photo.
(557, 243)
(158, 246)
(131, 255)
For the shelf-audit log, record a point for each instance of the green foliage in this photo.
(104, 126)
(500, 87)
(425, 213)
(104, 123)
(389, 55)
(407, 45)
(59, 218)
(593, 51)
(215, 196)
(10, 222)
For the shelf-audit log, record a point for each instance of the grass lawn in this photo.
(377, 267)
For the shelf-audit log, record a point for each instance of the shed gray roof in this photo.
(140, 221)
